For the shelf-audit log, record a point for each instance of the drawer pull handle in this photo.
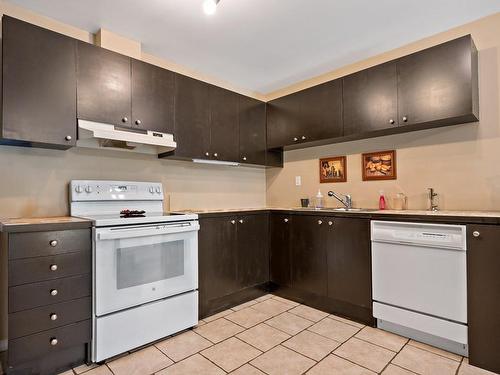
(53, 267)
(53, 243)
(53, 341)
(53, 316)
(476, 233)
(285, 220)
(53, 292)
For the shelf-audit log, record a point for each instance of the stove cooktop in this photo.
(101, 220)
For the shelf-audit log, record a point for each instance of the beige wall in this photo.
(460, 162)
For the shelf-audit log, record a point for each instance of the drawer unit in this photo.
(45, 343)
(48, 307)
(29, 296)
(35, 244)
(31, 270)
(27, 322)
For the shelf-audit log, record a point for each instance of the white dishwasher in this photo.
(419, 282)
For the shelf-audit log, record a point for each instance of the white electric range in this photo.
(145, 264)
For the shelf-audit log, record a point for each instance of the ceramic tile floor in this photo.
(272, 335)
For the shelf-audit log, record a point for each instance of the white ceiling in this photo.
(265, 45)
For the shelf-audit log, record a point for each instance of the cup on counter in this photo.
(399, 202)
(304, 202)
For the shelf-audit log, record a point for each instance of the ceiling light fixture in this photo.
(210, 6)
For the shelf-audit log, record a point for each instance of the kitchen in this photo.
(243, 154)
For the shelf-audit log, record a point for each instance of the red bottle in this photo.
(381, 201)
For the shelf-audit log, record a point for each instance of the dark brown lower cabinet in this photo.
(483, 296)
(233, 260)
(49, 286)
(279, 248)
(308, 254)
(349, 265)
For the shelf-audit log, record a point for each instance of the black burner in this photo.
(132, 213)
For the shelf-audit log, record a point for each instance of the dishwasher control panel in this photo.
(423, 234)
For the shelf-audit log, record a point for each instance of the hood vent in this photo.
(98, 135)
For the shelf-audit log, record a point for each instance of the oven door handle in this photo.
(117, 234)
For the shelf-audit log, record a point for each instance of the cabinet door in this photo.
(483, 296)
(283, 121)
(224, 138)
(308, 255)
(279, 249)
(349, 260)
(192, 132)
(152, 97)
(252, 128)
(39, 85)
(320, 112)
(371, 99)
(438, 83)
(253, 250)
(104, 93)
(217, 258)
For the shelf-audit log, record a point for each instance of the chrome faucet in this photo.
(433, 205)
(347, 201)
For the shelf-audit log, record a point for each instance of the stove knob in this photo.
(151, 189)
(78, 189)
(88, 189)
(158, 189)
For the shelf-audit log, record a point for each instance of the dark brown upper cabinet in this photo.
(306, 116)
(371, 100)
(483, 296)
(224, 134)
(439, 85)
(39, 86)
(191, 130)
(252, 129)
(152, 97)
(104, 86)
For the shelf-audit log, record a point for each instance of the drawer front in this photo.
(39, 345)
(29, 296)
(27, 322)
(35, 244)
(31, 270)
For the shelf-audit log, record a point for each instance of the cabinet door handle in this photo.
(476, 233)
(53, 243)
(320, 222)
(53, 341)
(125, 119)
(303, 137)
(240, 221)
(244, 158)
(233, 222)
(68, 138)
(207, 154)
(53, 292)
(391, 121)
(53, 316)
(215, 155)
(330, 223)
(53, 267)
(138, 122)
(285, 220)
(405, 118)
(295, 139)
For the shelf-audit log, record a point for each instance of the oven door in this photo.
(142, 263)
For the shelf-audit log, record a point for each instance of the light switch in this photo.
(298, 180)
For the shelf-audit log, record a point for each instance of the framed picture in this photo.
(333, 169)
(379, 165)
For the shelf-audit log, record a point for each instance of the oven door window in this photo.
(138, 265)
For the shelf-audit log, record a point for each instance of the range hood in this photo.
(98, 135)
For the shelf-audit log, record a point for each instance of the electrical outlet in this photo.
(298, 180)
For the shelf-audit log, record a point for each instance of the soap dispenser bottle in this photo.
(319, 199)
(381, 201)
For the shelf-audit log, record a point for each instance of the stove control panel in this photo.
(93, 190)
